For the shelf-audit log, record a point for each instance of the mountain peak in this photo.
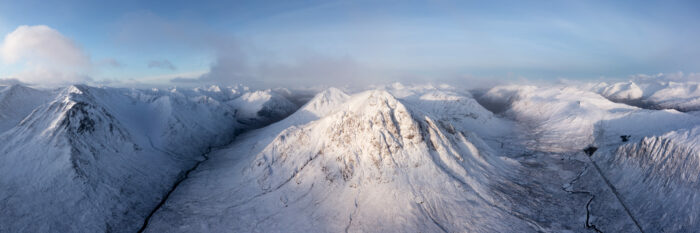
(325, 101)
(77, 89)
(370, 132)
(373, 99)
(372, 143)
(623, 91)
(332, 91)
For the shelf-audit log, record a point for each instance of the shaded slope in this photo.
(16, 102)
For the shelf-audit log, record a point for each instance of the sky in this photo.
(307, 43)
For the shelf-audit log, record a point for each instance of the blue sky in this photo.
(311, 42)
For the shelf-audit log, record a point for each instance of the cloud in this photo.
(41, 43)
(162, 64)
(316, 69)
(238, 62)
(44, 56)
(302, 71)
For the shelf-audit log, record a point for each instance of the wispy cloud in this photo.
(161, 64)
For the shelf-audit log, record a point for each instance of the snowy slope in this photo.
(178, 119)
(99, 159)
(461, 111)
(623, 91)
(17, 101)
(657, 178)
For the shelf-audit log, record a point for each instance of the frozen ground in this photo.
(396, 158)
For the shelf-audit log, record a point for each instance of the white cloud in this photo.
(46, 57)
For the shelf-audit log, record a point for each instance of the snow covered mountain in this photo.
(362, 154)
(623, 91)
(654, 94)
(395, 158)
(102, 158)
(563, 118)
(373, 162)
(219, 93)
(680, 96)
